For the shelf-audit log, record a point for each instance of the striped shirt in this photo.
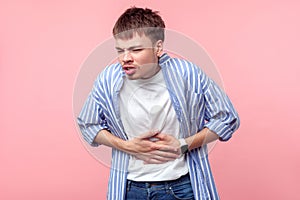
(198, 103)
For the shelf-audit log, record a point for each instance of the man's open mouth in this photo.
(129, 70)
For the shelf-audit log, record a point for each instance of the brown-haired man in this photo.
(157, 113)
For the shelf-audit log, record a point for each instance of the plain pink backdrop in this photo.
(255, 45)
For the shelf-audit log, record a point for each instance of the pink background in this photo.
(255, 45)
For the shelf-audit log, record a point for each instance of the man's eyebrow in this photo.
(130, 48)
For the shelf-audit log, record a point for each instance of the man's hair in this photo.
(140, 21)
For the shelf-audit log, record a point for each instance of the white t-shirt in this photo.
(145, 106)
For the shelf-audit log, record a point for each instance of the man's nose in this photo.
(127, 56)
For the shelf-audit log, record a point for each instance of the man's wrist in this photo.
(123, 145)
(126, 146)
(183, 146)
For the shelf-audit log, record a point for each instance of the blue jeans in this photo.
(162, 190)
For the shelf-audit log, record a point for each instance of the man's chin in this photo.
(132, 77)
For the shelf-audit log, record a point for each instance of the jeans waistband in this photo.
(149, 184)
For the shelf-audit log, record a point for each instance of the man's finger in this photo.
(167, 154)
(157, 160)
(167, 148)
(160, 136)
(148, 134)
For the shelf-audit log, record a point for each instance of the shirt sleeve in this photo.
(91, 119)
(220, 114)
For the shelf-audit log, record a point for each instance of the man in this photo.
(157, 113)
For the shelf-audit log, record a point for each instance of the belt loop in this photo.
(147, 185)
(167, 186)
(128, 185)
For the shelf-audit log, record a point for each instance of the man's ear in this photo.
(159, 48)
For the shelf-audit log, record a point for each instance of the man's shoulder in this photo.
(111, 71)
(112, 68)
(182, 66)
(110, 75)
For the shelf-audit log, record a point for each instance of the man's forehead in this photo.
(135, 41)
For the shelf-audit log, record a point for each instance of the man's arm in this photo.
(203, 137)
(140, 147)
(221, 118)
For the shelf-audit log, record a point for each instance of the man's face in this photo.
(138, 56)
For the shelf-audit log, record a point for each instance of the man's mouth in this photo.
(129, 69)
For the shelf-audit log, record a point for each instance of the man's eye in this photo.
(136, 50)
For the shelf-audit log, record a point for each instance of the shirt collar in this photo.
(163, 59)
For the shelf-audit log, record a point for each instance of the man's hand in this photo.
(163, 149)
(168, 140)
(157, 157)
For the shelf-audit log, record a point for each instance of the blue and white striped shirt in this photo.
(198, 103)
